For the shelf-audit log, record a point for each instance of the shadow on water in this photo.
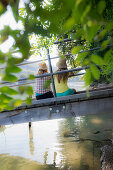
(70, 143)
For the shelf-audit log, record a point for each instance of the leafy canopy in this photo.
(88, 23)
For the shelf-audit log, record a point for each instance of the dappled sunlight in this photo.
(97, 121)
(18, 163)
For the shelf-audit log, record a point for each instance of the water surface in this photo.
(70, 143)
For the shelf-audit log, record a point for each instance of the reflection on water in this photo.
(71, 143)
(31, 144)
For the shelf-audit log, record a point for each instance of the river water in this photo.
(70, 143)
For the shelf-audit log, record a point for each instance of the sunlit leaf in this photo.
(76, 50)
(29, 90)
(69, 23)
(88, 7)
(109, 26)
(81, 56)
(102, 34)
(62, 56)
(28, 100)
(10, 78)
(31, 77)
(8, 90)
(21, 89)
(108, 56)
(78, 2)
(14, 5)
(97, 59)
(14, 103)
(104, 44)
(13, 60)
(87, 77)
(92, 31)
(87, 92)
(13, 69)
(2, 58)
(86, 62)
(47, 84)
(11, 104)
(18, 102)
(95, 71)
(1, 7)
(101, 6)
(5, 98)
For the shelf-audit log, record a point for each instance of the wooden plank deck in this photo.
(100, 101)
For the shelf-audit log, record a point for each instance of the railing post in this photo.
(51, 73)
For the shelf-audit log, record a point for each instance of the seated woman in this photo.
(61, 79)
(41, 92)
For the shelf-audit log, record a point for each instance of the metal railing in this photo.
(31, 62)
(55, 73)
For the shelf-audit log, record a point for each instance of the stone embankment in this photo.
(107, 157)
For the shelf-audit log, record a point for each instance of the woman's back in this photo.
(62, 86)
(61, 80)
(41, 91)
(40, 85)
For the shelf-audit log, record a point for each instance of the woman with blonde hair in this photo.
(41, 92)
(61, 79)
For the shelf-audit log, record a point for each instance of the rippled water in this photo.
(71, 143)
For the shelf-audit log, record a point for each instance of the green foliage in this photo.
(97, 60)
(31, 77)
(87, 77)
(10, 77)
(29, 90)
(47, 84)
(25, 89)
(107, 71)
(21, 89)
(88, 23)
(11, 68)
(28, 100)
(108, 56)
(40, 43)
(76, 50)
(14, 103)
(95, 71)
(8, 90)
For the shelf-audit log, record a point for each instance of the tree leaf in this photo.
(87, 77)
(5, 98)
(29, 90)
(14, 5)
(8, 90)
(10, 78)
(31, 77)
(97, 60)
(2, 58)
(104, 44)
(76, 50)
(95, 71)
(13, 69)
(28, 100)
(17, 102)
(69, 23)
(101, 6)
(47, 84)
(22, 89)
(92, 31)
(108, 55)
